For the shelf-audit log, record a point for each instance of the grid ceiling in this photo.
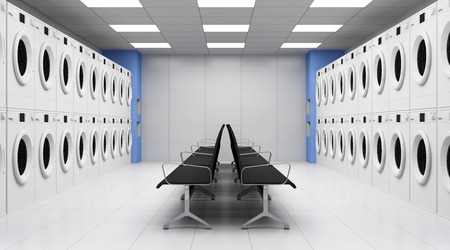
(271, 23)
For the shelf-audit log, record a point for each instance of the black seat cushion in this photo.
(264, 175)
(184, 175)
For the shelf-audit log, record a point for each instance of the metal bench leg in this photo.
(265, 212)
(187, 212)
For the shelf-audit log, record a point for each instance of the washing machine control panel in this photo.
(423, 117)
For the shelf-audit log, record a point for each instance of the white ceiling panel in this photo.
(180, 27)
(87, 20)
(177, 20)
(127, 19)
(169, 3)
(322, 20)
(270, 20)
(226, 20)
(120, 11)
(283, 12)
(66, 12)
(174, 12)
(149, 35)
(283, 3)
(56, 3)
(328, 12)
(271, 27)
(226, 12)
(183, 34)
(226, 51)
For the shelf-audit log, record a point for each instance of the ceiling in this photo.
(271, 24)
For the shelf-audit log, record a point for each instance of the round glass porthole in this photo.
(379, 151)
(94, 82)
(325, 91)
(332, 82)
(341, 85)
(351, 82)
(332, 143)
(23, 58)
(122, 91)
(318, 94)
(364, 148)
(122, 141)
(114, 143)
(81, 148)
(325, 141)
(47, 153)
(65, 73)
(444, 161)
(129, 140)
(318, 141)
(364, 78)
(105, 144)
(351, 145)
(94, 148)
(380, 72)
(398, 66)
(421, 157)
(66, 151)
(23, 158)
(397, 153)
(81, 77)
(421, 58)
(129, 93)
(46, 66)
(445, 50)
(105, 85)
(114, 89)
(341, 144)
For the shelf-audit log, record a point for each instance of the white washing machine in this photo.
(444, 162)
(324, 137)
(94, 136)
(114, 142)
(423, 161)
(380, 51)
(341, 97)
(3, 117)
(46, 154)
(318, 137)
(332, 144)
(399, 66)
(332, 103)
(364, 151)
(106, 76)
(399, 151)
(122, 91)
(129, 92)
(65, 145)
(20, 159)
(351, 145)
(324, 92)
(122, 137)
(423, 58)
(341, 160)
(364, 81)
(3, 54)
(380, 153)
(82, 67)
(351, 73)
(105, 162)
(129, 140)
(94, 83)
(115, 75)
(45, 66)
(20, 59)
(66, 74)
(80, 132)
(443, 53)
(319, 93)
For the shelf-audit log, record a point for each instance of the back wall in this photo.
(186, 98)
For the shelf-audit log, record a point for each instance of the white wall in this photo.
(187, 98)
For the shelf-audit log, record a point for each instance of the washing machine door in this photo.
(380, 72)
(341, 85)
(332, 143)
(341, 144)
(397, 153)
(364, 148)
(47, 153)
(365, 78)
(105, 86)
(114, 89)
(351, 145)
(445, 50)
(66, 150)
(325, 91)
(81, 77)
(421, 157)
(122, 141)
(65, 72)
(332, 83)
(351, 82)
(94, 146)
(421, 58)
(114, 143)
(398, 63)
(444, 161)
(325, 141)
(129, 141)
(129, 93)
(23, 58)
(318, 141)
(94, 82)
(379, 150)
(318, 94)
(122, 91)
(81, 148)
(47, 66)
(105, 144)
(22, 157)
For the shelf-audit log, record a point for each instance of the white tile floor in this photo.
(124, 210)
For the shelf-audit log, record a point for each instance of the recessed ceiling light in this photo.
(135, 28)
(340, 3)
(225, 45)
(226, 3)
(225, 28)
(300, 45)
(151, 45)
(112, 3)
(317, 28)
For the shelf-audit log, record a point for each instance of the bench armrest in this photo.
(266, 165)
(258, 153)
(185, 165)
(192, 153)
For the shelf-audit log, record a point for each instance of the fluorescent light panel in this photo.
(300, 45)
(112, 3)
(226, 28)
(226, 3)
(151, 45)
(340, 3)
(225, 45)
(135, 28)
(316, 28)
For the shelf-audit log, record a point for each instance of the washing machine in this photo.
(80, 169)
(20, 59)
(122, 138)
(324, 92)
(65, 146)
(106, 76)
(129, 92)
(3, 117)
(423, 159)
(341, 161)
(444, 53)
(444, 162)
(332, 144)
(364, 150)
(380, 153)
(122, 91)
(80, 93)
(341, 97)
(399, 151)
(45, 154)
(352, 75)
(129, 140)
(351, 145)
(45, 66)
(2, 54)
(423, 58)
(105, 161)
(380, 51)
(94, 82)
(20, 159)
(115, 75)
(93, 134)
(318, 92)
(399, 66)
(332, 104)
(318, 137)
(66, 73)
(114, 141)
(324, 137)
(364, 81)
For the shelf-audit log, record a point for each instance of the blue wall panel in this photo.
(315, 60)
(131, 60)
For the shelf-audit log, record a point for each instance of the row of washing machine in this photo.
(406, 67)
(405, 153)
(50, 152)
(44, 69)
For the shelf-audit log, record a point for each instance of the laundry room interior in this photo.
(226, 124)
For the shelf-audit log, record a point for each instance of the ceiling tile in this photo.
(305, 39)
(214, 12)
(66, 12)
(182, 34)
(155, 51)
(146, 40)
(226, 20)
(328, 12)
(55, 3)
(271, 27)
(149, 35)
(363, 20)
(225, 51)
(175, 12)
(120, 11)
(169, 4)
(127, 20)
(321, 20)
(283, 3)
(381, 12)
(180, 27)
(177, 20)
(275, 20)
(284, 12)
(96, 27)
(81, 21)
